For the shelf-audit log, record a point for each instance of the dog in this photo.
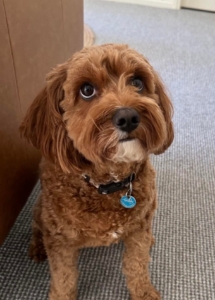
(96, 122)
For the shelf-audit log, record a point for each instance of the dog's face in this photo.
(105, 105)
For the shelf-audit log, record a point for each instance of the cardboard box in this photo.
(34, 37)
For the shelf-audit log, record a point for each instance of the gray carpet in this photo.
(181, 46)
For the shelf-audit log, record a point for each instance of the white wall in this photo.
(173, 4)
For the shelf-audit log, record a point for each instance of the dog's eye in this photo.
(87, 91)
(138, 83)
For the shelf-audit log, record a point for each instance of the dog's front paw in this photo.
(153, 295)
(149, 293)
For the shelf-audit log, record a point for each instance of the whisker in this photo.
(95, 123)
(110, 141)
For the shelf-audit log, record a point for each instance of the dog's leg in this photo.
(63, 268)
(36, 248)
(135, 266)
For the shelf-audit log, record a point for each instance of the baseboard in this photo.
(172, 4)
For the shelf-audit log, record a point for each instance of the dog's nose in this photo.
(126, 119)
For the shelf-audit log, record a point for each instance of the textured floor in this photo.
(181, 46)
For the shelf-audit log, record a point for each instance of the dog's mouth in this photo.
(127, 139)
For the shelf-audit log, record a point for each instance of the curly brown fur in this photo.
(78, 137)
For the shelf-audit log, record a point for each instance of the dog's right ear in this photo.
(43, 124)
(44, 114)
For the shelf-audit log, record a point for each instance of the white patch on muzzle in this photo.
(129, 151)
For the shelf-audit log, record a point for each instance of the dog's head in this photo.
(105, 105)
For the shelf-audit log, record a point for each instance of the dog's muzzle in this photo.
(126, 119)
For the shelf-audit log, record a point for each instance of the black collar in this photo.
(112, 186)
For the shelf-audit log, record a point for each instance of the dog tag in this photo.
(128, 201)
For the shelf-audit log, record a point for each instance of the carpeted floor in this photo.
(181, 46)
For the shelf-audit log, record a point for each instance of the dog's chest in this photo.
(103, 227)
(101, 217)
(76, 210)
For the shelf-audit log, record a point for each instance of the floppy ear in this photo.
(43, 124)
(167, 109)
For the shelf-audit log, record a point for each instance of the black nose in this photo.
(126, 119)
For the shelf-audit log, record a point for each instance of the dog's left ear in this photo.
(167, 109)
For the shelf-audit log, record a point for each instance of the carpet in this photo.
(181, 46)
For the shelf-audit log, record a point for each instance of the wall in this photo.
(172, 4)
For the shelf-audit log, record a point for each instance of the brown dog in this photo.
(100, 116)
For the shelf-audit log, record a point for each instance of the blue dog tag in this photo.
(128, 201)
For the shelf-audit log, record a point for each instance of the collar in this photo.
(111, 187)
